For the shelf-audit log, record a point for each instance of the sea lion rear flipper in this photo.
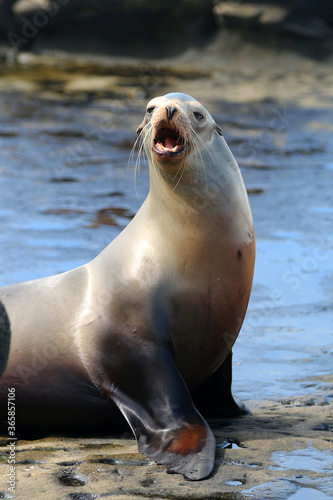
(153, 397)
(4, 338)
(214, 398)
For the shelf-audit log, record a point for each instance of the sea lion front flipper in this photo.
(214, 398)
(153, 397)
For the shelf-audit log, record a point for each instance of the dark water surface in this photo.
(67, 188)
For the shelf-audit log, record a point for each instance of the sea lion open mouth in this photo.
(169, 142)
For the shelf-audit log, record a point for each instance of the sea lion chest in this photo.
(189, 287)
(203, 304)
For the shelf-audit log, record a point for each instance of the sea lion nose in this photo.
(170, 111)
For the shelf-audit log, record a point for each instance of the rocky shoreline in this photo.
(145, 29)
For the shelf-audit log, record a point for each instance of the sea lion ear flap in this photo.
(218, 129)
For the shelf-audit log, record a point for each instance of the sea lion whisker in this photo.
(206, 148)
(140, 140)
(195, 140)
(199, 164)
(140, 154)
(180, 177)
(179, 170)
(156, 169)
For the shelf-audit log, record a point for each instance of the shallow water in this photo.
(308, 494)
(305, 459)
(68, 188)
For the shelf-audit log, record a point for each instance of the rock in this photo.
(7, 20)
(130, 27)
(140, 28)
(309, 18)
(248, 14)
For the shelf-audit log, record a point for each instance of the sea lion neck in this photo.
(182, 204)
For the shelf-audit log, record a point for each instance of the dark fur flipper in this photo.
(153, 397)
(4, 338)
(214, 398)
(189, 450)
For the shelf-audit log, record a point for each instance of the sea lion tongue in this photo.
(170, 143)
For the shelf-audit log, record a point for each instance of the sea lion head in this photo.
(174, 126)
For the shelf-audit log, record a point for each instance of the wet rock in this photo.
(132, 459)
(82, 496)
(6, 495)
(113, 194)
(309, 18)
(69, 464)
(147, 482)
(7, 19)
(255, 191)
(61, 211)
(324, 426)
(71, 478)
(306, 401)
(152, 29)
(63, 179)
(30, 462)
(147, 26)
(109, 216)
(8, 133)
(248, 14)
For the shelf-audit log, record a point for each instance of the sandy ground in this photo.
(271, 454)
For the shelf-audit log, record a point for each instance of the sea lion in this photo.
(154, 316)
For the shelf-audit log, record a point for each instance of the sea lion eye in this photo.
(150, 110)
(199, 116)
